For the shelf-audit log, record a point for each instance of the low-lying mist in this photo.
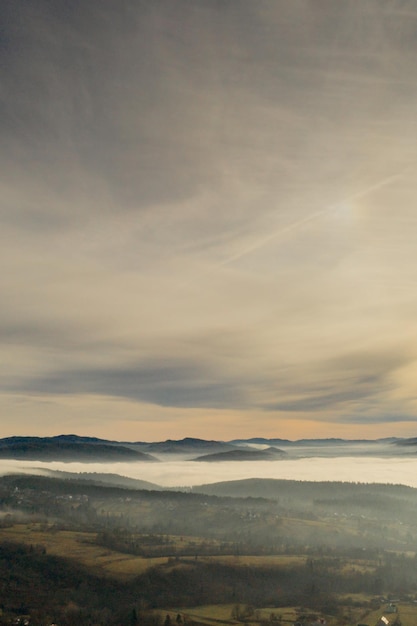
(183, 473)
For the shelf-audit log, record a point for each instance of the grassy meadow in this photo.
(81, 547)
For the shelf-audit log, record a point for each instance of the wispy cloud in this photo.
(208, 215)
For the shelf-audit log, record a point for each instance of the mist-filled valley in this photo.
(174, 464)
(323, 534)
(184, 473)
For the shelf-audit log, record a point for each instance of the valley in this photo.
(111, 550)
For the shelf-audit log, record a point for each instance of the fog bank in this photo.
(189, 473)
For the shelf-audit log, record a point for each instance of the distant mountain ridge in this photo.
(64, 438)
(109, 480)
(407, 442)
(269, 454)
(315, 442)
(304, 490)
(188, 445)
(68, 448)
(71, 447)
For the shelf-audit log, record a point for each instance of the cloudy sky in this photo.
(208, 218)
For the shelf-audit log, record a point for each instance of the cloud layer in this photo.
(208, 218)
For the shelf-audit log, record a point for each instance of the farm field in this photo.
(117, 567)
(214, 614)
(257, 561)
(407, 614)
(80, 547)
(207, 614)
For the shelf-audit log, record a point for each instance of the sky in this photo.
(208, 218)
